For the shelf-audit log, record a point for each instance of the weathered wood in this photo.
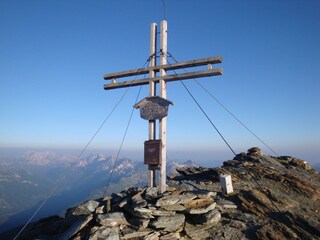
(167, 67)
(168, 78)
(163, 94)
(152, 92)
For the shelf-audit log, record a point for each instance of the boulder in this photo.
(175, 199)
(112, 219)
(170, 224)
(212, 217)
(86, 208)
(105, 233)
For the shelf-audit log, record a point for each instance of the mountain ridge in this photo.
(273, 198)
(26, 181)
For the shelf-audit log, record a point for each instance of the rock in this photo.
(139, 223)
(107, 204)
(124, 202)
(77, 226)
(138, 201)
(173, 207)
(170, 236)
(170, 224)
(105, 233)
(198, 232)
(152, 236)
(237, 224)
(240, 157)
(174, 199)
(203, 193)
(86, 208)
(100, 210)
(211, 217)
(112, 219)
(135, 235)
(301, 164)
(161, 213)
(201, 210)
(198, 203)
(271, 163)
(144, 213)
(231, 163)
(276, 231)
(226, 204)
(245, 217)
(200, 206)
(255, 151)
(151, 193)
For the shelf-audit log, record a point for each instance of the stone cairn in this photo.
(143, 214)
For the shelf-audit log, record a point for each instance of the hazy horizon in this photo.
(205, 158)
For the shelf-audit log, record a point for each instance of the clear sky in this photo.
(53, 55)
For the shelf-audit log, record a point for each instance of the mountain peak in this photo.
(273, 198)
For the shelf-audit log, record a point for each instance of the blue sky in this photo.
(53, 55)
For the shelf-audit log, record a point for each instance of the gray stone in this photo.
(203, 193)
(107, 203)
(237, 224)
(197, 231)
(174, 199)
(112, 219)
(136, 235)
(200, 206)
(161, 213)
(201, 210)
(138, 201)
(226, 204)
(271, 162)
(123, 202)
(239, 216)
(100, 210)
(86, 208)
(174, 207)
(213, 217)
(139, 223)
(76, 227)
(105, 233)
(170, 224)
(170, 236)
(151, 193)
(143, 213)
(152, 236)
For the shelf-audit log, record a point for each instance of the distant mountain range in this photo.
(27, 179)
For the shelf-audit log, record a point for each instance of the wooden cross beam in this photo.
(168, 78)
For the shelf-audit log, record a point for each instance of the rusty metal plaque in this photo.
(152, 152)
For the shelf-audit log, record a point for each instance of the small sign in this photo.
(226, 184)
(152, 108)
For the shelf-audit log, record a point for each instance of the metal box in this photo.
(152, 152)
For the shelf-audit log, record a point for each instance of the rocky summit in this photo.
(272, 198)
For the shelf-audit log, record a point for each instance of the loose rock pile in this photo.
(144, 214)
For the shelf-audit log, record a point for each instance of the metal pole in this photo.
(152, 92)
(163, 94)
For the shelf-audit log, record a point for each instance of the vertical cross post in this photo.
(152, 92)
(163, 94)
